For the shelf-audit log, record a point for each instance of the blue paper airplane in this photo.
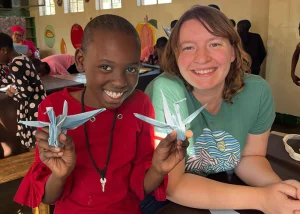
(62, 123)
(173, 122)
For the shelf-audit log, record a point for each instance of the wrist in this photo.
(156, 172)
(260, 198)
(58, 178)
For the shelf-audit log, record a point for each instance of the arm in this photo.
(199, 192)
(152, 180)
(253, 158)
(295, 59)
(53, 189)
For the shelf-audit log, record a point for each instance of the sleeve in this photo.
(24, 87)
(266, 111)
(32, 187)
(173, 91)
(143, 159)
(31, 190)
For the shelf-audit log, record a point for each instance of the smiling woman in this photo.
(204, 62)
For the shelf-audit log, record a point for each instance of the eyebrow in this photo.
(208, 40)
(112, 62)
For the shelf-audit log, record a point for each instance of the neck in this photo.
(211, 96)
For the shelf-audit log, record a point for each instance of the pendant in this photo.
(103, 181)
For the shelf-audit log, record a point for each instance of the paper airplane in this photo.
(173, 122)
(62, 123)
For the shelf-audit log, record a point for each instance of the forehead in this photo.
(113, 45)
(193, 29)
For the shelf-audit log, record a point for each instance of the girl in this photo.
(27, 88)
(205, 63)
(106, 168)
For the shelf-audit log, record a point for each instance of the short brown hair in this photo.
(216, 23)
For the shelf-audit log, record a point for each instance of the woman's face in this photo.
(204, 59)
(17, 37)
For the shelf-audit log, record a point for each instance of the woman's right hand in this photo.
(281, 198)
(61, 161)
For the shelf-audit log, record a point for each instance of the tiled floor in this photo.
(7, 191)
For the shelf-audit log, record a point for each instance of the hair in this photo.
(214, 6)
(173, 23)
(161, 42)
(6, 41)
(232, 22)
(108, 22)
(244, 25)
(216, 23)
(38, 63)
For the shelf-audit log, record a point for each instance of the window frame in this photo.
(46, 3)
(67, 6)
(99, 5)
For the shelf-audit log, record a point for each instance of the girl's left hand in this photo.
(170, 152)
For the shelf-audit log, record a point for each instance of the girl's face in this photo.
(17, 37)
(111, 64)
(204, 59)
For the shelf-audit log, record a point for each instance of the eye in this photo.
(187, 48)
(105, 67)
(215, 45)
(133, 70)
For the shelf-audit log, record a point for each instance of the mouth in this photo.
(203, 71)
(114, 95)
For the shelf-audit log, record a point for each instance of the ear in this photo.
(79, 60)
(233, 56)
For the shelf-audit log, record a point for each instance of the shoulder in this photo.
(166, 81)
(255, 87)
(57, 99)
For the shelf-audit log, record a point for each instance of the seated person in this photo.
(18, 38)
(152, 54)
(57, 64)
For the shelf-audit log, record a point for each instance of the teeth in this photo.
(114, 95)
(206, 71)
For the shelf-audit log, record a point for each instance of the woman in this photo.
(204, 62)
(27, 88)
(18, 38)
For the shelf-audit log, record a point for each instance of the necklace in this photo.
(103, 171)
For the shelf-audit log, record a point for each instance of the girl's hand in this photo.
(61, 161)
(169, 153)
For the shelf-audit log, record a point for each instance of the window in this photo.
(151, 2)
(108, 4)
(73, 6)
(48, 9)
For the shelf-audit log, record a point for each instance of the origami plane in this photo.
(173, 122)
(62, 123)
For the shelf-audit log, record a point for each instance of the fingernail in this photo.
(63, 137)
(60, 153)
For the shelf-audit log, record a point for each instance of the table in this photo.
(15, 167)
(80, 77)
(280, 161)
(53, 84)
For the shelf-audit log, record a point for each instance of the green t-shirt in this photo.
(218, 140)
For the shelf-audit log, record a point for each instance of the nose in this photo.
(202, 56)
(119, 79)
